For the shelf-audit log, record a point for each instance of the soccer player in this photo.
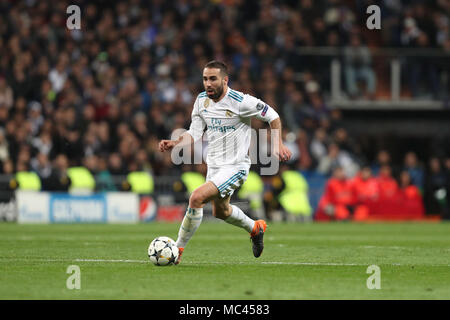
(226, 114)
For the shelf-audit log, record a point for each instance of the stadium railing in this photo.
(392, 67)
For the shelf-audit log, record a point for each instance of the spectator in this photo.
(446, 215)
(383, 159)
(6, 94)
(318, 106)
(115, 164)
(41, 165)
(43, 143)
(421, 68)
(414, 168)
(387, 184)
(35, 117)
(4, 115)
(366, 192)
(358, 66)
(410, 32)
(295, 110)
(8, 167)
(337, 202)
(410, 197)
(142, 162)
(337, 158)
(301, 151)
(104, 179)
(319, 144)
(409, 190)
(58, 180)
(435, 193)
(4, 150)
(58, 75)
(345, 142)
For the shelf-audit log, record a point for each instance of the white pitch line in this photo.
(315, 263)
(240, 263)
(103, 260)
(219, 263)
(251, 263)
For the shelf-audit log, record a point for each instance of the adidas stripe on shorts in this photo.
(227, 179)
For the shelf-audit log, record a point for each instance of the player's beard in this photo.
(217, 93)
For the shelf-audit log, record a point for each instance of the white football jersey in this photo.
(228, 125)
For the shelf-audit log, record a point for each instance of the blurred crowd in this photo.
(385, 190)
(104, 95)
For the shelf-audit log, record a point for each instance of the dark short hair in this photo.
(214, 64)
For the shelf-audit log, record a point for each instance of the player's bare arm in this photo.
(279, 149)
(184, 140)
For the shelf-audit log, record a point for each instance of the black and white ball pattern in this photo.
(163, 251)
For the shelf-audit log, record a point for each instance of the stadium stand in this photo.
(101, 97)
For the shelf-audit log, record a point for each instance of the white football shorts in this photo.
(227, 179)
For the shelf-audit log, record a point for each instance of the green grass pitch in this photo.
(300, 261)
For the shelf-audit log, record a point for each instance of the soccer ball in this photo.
(163, 251)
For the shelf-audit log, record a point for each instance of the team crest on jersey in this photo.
(206, 103)
(229, 113)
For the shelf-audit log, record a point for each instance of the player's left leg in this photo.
(232, 214)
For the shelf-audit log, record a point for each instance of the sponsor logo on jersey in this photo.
(216, 126)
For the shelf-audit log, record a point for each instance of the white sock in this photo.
(240, 219)
(191, 221)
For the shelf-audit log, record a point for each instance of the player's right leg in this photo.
(194, 214)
